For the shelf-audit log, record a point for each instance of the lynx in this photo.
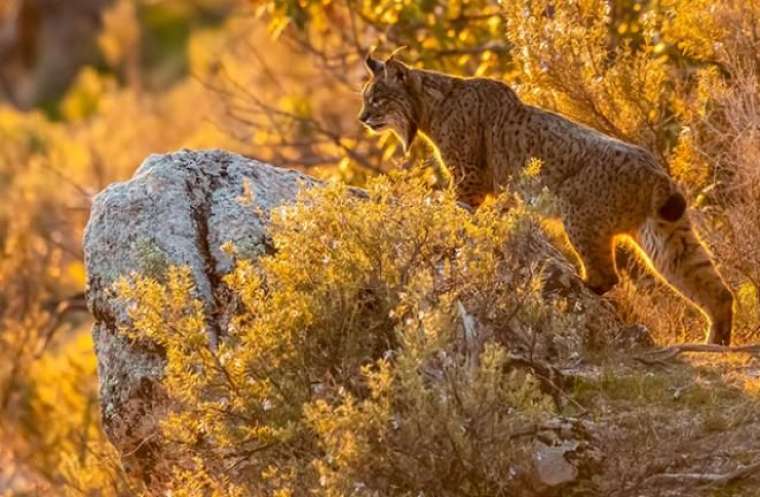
(605, 187)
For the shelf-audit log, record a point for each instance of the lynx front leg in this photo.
(468, 172)
(468, 184)
(595, 250)
(470, 195)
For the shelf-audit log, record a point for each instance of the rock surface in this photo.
(552, 468)
(179, 209)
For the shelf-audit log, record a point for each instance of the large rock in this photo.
(179, 209)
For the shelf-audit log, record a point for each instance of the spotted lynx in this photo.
(604, 187)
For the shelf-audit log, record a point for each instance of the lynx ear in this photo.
(373, 65)
(395, 70)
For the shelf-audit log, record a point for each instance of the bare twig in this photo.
(60, 311)
(659, 357)
(550, 378)
(708, 479)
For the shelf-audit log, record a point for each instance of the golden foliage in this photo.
(344, 362)
(304, 367)
(121, 32)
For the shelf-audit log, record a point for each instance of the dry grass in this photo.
(696, 417)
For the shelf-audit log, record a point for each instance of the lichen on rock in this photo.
(177, 209)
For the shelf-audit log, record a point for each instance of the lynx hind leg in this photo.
(679, 257)
(595, 249)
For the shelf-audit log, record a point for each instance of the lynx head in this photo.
(389, 98)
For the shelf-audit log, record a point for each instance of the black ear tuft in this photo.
(393, 54)
(373, 65)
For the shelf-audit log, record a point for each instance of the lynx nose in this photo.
(364, 117)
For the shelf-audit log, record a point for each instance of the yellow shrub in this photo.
(348, 364)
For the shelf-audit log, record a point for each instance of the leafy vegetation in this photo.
(344, 366)
(317, 386)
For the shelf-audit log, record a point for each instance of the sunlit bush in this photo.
(280, 82)
(373, 353)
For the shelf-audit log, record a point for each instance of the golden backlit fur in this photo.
(605, 187)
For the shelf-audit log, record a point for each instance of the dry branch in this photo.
(707, 479)
(660, 356)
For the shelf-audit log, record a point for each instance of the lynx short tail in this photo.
(668, 203)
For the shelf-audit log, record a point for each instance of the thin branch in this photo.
(492, 46)
(708, 479)
(659, 357)
(61, 308)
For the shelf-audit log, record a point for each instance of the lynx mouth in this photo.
(376, 126)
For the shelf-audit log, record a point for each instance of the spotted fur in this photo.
(605, 187)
